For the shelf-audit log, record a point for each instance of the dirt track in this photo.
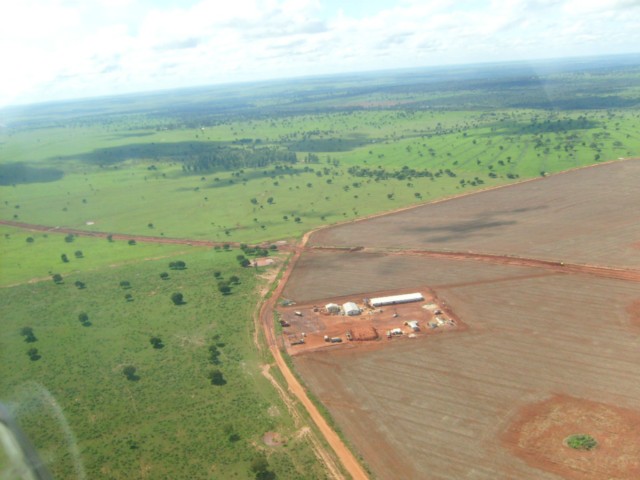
(347, 458)
(595, 270)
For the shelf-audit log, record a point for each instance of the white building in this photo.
(351, 308)
(395, 299)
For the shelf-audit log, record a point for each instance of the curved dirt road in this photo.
(348, 460)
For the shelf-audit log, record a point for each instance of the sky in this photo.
(62, 49)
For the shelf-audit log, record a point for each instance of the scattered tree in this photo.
(27, 333)
(177, 298)
(177, 265)
(129, 371)
(33, 354)
(216, 377)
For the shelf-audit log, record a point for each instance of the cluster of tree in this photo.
(256, 251)
(27, 333)
(177, 265)
(216, 377)
(260, 467)
(405, 173)
(33, 354)
(224, 158)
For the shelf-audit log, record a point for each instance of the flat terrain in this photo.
(447, 406)
(567, 217)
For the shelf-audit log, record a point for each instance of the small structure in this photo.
(351, 308)
(396, 299)
(413, 325)
(332, 308)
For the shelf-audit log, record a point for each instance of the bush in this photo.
(582, 442)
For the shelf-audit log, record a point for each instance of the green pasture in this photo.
(155, 197)
(169, 421)
(37, 255)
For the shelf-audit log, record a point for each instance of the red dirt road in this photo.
(347, 458)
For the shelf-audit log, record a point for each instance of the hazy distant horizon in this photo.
(569, 63)
(54, 50)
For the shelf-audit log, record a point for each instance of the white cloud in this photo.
(82, 48)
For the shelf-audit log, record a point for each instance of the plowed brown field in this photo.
(541, 337)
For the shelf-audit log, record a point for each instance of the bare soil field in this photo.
(440, 408)
(544, 277)
(542, 428)
(584, 216)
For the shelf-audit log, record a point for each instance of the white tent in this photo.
(351, 308)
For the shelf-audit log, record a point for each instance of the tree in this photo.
(177, 298)
(245, 263)
(125, 284)
(270, 200)
(110, 238)
(156, 342)
(164, 275)
(216, 377)
(214, 355)
(177, 265)
(234, 279)
(217, 274)
(129, 371)
(83, 317)
(33, 354)
(27, 333)
(29, 240)
(224, 288)
(79, 254)
(131, 242)
(128, 297)
(64, 258)
(80, 285)
(57, 278)
(260, 467)
(69, 238)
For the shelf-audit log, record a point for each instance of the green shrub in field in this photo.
(581, 442)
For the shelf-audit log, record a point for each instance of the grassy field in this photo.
(359, 150)
(169, 421)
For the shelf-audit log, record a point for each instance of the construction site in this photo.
(352, 321)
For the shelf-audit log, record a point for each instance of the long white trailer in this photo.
(395, 299)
